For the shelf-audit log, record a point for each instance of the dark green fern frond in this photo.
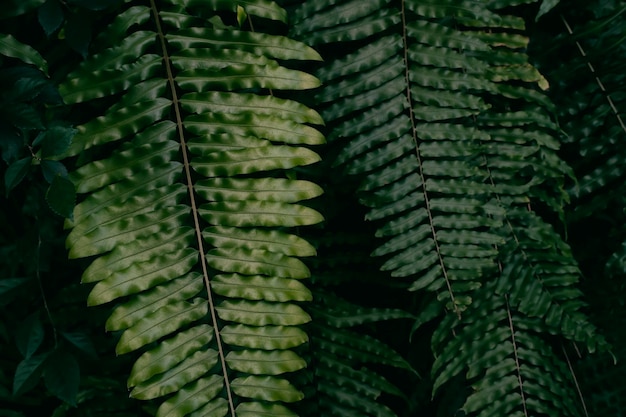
(354, 369)
(541, 277)
(379, 106)
(506, 360)
(346, 360)
(446, 133)
(187, 207)
(589, 90)
(444, 120)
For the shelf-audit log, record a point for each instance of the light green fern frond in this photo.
(188, 202)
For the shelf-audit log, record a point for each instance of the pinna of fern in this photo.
(188, 199)
(444, 120)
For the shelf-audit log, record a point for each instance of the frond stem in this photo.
(419, 160)
(571, 369)
(517, 364)
(194, 210)
(595, 74)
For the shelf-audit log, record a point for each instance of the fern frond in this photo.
(389, 98)
(595, 124)
(355, 366)
(343, 378)
(512, 370)
(184, 196)
(445, 123)
(595, 130)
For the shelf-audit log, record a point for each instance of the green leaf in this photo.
(97, 241)
(359, 347)
(277, 47)
(371, 24)
(30, 336)
(50, 16)
(119, 124)
(255, 238)
(241, 15)
(265, 337)
(158, 270)
(138, 251)
(117, 30)
(11, 47)
(251, 160)
(78, 31)
(62, 376)
(257, 409)
(260, 287)
(259, 362)
(272, 76)
(256, 262)
(61, 196)
(7, 285)
(123, 164)
(52, 169)
(189, 370)
(266, 388)
(434, 34)
(364, 382)
(260, 8)
(260, 313)
(137, 308)
(105, 82)
(161, 323)
(546, 6)
(16, 172)
(276, 129)
(54, 141)
(82, 342)
(259, 213)
(237, 103)
(28, 373)
(260, 189)
(194, 396)
(169, 353)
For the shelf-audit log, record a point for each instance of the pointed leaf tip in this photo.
(546, 6)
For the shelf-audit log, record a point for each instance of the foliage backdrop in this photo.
(368, 208)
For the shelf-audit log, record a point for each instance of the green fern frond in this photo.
(541, 276)
(584, 36)
(595, 125)
(338, 313)
(510, 367)
(343, 377)
(367, 92)
(186, 207)
(354, 366)
(380, 130)
(444, 121)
